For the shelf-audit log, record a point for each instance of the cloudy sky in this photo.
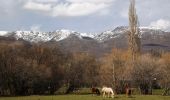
(80, 15)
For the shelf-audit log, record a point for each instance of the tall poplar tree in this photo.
(134, 32)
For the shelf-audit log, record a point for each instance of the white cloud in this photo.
(161, 24)
(77, 9)
(37, 6)
(69, 7)
(46, 1)
(35, 28)
(90, 1)
(41, 1)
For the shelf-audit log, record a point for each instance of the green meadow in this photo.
(88, 97)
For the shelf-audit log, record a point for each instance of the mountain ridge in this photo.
(95, 44)
(58, 35)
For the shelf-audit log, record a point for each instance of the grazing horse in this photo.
(95, 91)
(107, 91)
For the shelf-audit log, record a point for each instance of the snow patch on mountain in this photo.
(3, 33)
(150, 30)
(117, 32)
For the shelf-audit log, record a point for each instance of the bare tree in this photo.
(134, 32)
(165, 74)
(113, 70)
(145, 72)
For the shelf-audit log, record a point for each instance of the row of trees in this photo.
(149, 71)
(41, 69)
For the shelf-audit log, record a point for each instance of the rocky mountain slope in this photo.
(97, 44)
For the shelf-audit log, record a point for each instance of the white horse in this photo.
(107, 91)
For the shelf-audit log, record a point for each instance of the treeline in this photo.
(42, 69)
(149, 71)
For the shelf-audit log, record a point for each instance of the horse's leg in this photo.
(112, 95)
(92, 94)
(103, 94)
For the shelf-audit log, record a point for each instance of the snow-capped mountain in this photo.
(58, 35)
(63, 34)
(34, 36)
(96, 44)
(111, 34)
(122, 30)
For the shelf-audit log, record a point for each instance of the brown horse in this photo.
(95, 91)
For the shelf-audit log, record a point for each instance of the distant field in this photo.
(87, 97)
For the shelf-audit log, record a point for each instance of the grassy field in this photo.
(83, 94)
(87, 97)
